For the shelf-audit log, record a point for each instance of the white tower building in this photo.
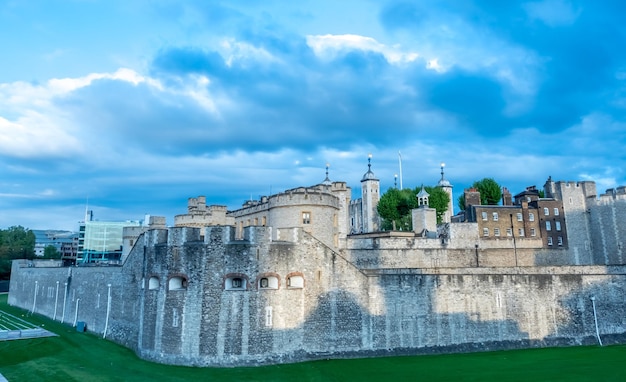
(370, 195)
(447, 187)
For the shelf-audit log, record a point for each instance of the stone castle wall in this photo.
(171, 303)
(575, 197)
(606, 218)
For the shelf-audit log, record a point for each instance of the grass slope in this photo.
(74, 356)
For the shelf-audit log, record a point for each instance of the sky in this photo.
(132, 107)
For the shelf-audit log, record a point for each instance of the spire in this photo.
(327, 181)
(443, 182)
(369, 175)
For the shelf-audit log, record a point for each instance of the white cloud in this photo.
(330, 46)
(242, 52)
(35, 135)
(34, 125)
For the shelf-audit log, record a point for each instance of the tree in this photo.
(460, 202)
(16, 242)
(51, 252)
(490, 193)
(395, 206)
(439, 200)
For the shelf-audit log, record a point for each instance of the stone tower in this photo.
(447, 187)
(577, 197)
(370, 195)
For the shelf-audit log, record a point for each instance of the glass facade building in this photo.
(101, 241)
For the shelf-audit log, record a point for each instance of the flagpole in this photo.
(400, 163)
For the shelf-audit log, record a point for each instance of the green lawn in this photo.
(74, 356)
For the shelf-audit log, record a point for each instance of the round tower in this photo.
(370, 195)
(447, 187)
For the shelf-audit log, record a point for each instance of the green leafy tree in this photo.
(16, 242)
(51, 252)
(439, 200)
(490, 193)
(395, 206)
(460, 202)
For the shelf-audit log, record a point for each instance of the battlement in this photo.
(316, 195)
(200, 215)
(252, 235)
(613, 194)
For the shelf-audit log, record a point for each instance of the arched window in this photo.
(268, 281)
(295, 280)
(153, 283)
(177, 283)
(235, 281)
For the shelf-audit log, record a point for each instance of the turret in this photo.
(370, 194)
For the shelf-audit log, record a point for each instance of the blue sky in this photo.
(135, 106)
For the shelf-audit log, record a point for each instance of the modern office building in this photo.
(101, 241)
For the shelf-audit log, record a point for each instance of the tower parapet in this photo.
(200, 215)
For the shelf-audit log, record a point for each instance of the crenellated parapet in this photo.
(612, 194)
(200, 215)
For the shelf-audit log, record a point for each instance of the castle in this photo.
(307, 274)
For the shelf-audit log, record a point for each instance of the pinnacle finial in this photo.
(442, 166)
(327, 180)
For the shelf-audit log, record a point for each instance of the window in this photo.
(177, 283)
(548, 226)
(235, 281)
(268, 316)
(153, 283)
(268, 282)
(532, 232)
(306, 218)
(519, 217)
(495, 216)
(557, 226)
(531, 217)
(556, 211)
(520, 231)
(546, 211)
(295, 281)
(496, 231)
(509, 232)
(549, 240)
(484, 215)
(485, 231)
(559, 240)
